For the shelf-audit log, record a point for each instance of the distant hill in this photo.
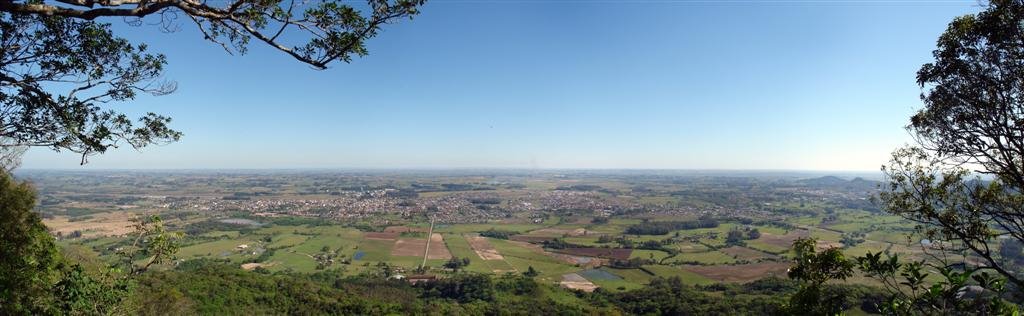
(834, 182)
(824, 181)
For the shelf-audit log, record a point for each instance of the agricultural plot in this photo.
(741, 272)
(93, 225)
(649, 254)
(290, 260)
(380, 236)
(286, 240)
(898, 236)
(405, 229)
(474, 228)
(767, 246)
(393, 237)
(865, 247)
(532, 239)
(217, 249)
(460, 248)
(690, 247)
(316, 244)
(408, 247)
(523, 255)
(587, 241)
(825, 235)
(708, 257)
(854, 220)
(559, 232)
(598, 274)
(743, 253)
(277, 230)
(671, 271)
(806, 220)
(376, 249)
(771, 229)
(293, 247)
(609, 253)
(483, 249)
(414, 262)
(774, 243)
(637, 276)
(607, 280)
(221, 234)
(574, 281)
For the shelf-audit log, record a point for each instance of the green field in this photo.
(709, 257)
(217, 249)
(649, 254)
(522, 258)
(460, 248)
(296, 247)
(375, 250)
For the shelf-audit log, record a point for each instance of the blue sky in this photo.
(811, 85)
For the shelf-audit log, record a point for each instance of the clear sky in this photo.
(814, 85)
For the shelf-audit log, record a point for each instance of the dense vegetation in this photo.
(499, 234)
(211, 288)
(662, 228)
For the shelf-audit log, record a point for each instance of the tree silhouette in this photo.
(59, 68)
(972, 122)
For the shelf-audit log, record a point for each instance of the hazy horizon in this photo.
(845, 174)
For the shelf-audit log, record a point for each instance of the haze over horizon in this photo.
(553, 85)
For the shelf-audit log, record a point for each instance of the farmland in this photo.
(616, 231)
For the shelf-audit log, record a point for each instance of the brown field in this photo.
(414, 247)
(740, 273)
(745, 253)
(253, 265)
(824, 244)
(381, 236)
(784, 241)
(404, 229)
(610, 253)
(584, 262)
(576, 282)
(101, 224)
(483, 248)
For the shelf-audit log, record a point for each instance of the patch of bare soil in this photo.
(100, 224)
(576, 282)
(784, 241)
(483, 248)
(741, 272)
(745, 253)
(414, 247)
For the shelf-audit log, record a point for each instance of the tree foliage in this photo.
(909, 286)
(59, 69)
(912, 292)
(150, 244)
(38, 280)
(56, 72)
(28, 256)
(813, 269)
(673, 297)
(316, 33)
(665, 227)
(972, 122)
